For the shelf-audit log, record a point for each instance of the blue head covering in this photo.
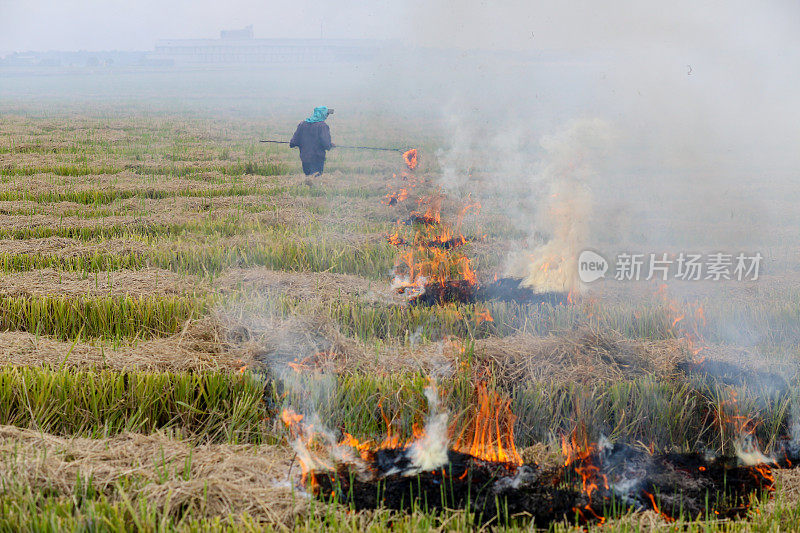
(320, 114)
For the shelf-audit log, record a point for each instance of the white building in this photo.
(239, 47)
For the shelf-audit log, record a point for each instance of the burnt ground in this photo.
(675, 485)
(503, 290)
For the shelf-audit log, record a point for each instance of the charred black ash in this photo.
(766, 383)
(504, 289)
(509, 290)
(489, 489)
(451, 291)
(448, 244)
(620, 477)
(421, 218)
(688, 485)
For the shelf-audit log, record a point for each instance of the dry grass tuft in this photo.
(310, 286)
(584, 356)
(66, 247)
(202, 345)
(209, 480)
(50, 282)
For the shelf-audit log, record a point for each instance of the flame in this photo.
(433, 260)
(553, 266)
(656, 508)
(395, 197)
(483, 316)
(303, 437)
(433, 212)
(689, 319)
(311, 362)
(581, 458)
(410, 158)
(396, 239)
(491, 435)
(746, 443)
(767, 478)
(363, 448)
(432, 257)
(291, 419)
(466, 271)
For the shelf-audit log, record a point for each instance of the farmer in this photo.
(313, 137)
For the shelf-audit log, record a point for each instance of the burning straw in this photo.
(567, 209)
(478, 468)
(433, 269)
(410, 158)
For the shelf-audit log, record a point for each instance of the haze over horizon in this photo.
(95, 25)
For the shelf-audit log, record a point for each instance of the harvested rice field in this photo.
(196, 337)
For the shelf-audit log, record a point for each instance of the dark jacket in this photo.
(313, 139)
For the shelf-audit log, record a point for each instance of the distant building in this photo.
(79, 59)
(240, 47)
(245, 33)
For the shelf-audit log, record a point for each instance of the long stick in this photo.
(347, 146)
(371, 148)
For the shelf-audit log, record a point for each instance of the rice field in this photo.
(158, 275)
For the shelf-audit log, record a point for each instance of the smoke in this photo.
(568, 175)
(700, 98)
(626, 128)
(429, 452)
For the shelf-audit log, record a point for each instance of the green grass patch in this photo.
(268, 168)
(209, 407)
(60, 170)
(228, 226)
(370, 320)
(107, 196)
(675, 416)
(372, 260)
(112, 317)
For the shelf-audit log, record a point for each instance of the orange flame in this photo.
(291, 419)
(410, 157)
(433, 212)
(656, 508)
(433, 259)
(294, 422)
(581, 457)
(396, 239)
(483, 316)
(689, 319)
(491, 435)
(395, 197)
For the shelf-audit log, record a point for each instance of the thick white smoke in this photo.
(568, 174)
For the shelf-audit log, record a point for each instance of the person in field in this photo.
(313, 137)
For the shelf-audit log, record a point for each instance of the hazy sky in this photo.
(137, 24)
(504, 24)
